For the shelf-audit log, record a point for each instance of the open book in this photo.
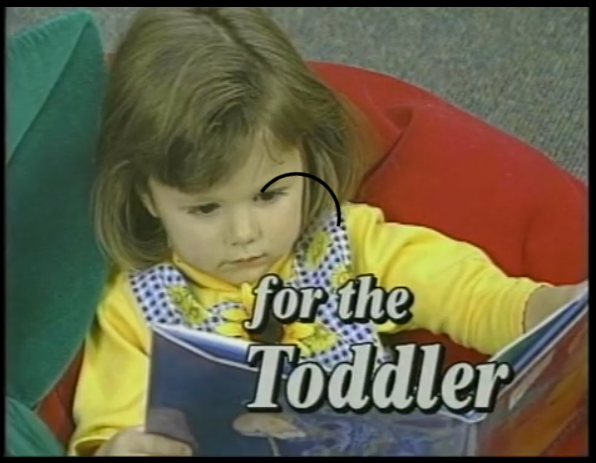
(201, 385)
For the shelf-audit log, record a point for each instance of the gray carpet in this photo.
(524, 69)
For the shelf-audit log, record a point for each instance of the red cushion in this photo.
(449, 170)
(56, 408)
(446, 169)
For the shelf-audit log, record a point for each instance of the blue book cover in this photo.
(201, 384)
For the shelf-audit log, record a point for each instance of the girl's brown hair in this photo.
(190, 89)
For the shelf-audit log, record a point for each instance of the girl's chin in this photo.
(249, 274)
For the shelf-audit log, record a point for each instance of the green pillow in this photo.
(55, 85)
(27, 435)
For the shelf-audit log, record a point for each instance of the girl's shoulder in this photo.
(359, 216)
(119, 307)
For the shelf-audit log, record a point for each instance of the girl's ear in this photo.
(148, 203)
(147, 200)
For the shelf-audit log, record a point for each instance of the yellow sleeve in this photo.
(457, 289)
(113, 382)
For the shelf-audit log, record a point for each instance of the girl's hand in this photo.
(547, 300)
(135, 442)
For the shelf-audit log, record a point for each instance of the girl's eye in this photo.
(270, 195)
(205, 209)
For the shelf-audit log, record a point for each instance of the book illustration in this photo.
(327, 434)
(268, 426)
(375, 434)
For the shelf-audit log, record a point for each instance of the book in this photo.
(201, 385)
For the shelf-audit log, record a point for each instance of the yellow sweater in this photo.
(457, 289)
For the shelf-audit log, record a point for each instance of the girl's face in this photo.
(233, 231)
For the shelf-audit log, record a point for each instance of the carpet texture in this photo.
(523, 69)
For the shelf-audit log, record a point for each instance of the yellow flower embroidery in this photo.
(191, 309)
(317, 249)
(340, 276)
(296, 333)
(233, 326)
(321, 339)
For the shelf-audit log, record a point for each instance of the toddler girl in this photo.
(205, 106)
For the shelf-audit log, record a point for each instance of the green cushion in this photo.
(55, 84)
(27, 435)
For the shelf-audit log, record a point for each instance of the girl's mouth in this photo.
(254, 260)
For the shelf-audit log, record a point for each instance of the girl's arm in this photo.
(112, 387)
(112, 391)
(458, 290)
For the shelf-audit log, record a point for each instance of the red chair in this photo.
(444, 168)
